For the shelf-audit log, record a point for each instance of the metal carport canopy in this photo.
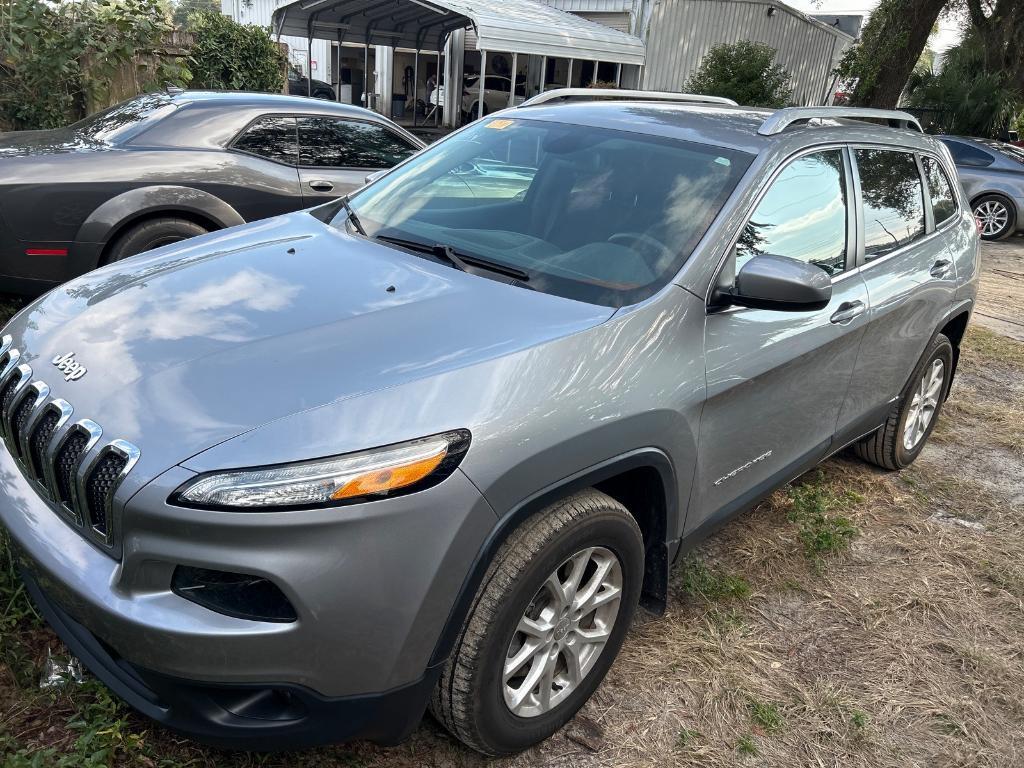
(513, 26)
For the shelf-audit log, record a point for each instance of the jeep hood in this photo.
(195, 343)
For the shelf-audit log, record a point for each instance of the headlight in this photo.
(387, 471)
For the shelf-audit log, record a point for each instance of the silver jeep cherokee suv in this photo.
(299, 480)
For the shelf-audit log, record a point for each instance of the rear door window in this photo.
(939, 190)
(271, 137)
(893, 199)
(329, 142)
(802, 215)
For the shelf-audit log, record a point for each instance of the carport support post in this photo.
(341, 36)
(483, 77)
(618, 75)
(543, 72)
(568, 80)
(366, 74)
(593, 80)
(416, 84)
(515, 69)
(438, 106)
(309, 66)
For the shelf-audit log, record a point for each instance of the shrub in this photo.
(57, 57)
(232, 56)
(744, 72)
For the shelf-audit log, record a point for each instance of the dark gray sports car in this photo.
(167, 166)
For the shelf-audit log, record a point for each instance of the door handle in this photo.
(847, 311)
(320, 185)
(941, 268)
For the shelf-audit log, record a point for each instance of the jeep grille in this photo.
(69, 461)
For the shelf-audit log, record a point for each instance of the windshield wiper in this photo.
(459, 260)
(352, 216)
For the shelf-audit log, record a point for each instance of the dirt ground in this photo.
(1002, 288)
(856, 618)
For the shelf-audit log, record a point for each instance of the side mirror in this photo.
(372, 177)
(778, 282)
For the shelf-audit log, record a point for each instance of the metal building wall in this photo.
(680, 32)
(259, 12)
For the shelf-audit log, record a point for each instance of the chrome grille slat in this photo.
(65, 461)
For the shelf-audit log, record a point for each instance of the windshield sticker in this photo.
(499, 125)
(723, 161)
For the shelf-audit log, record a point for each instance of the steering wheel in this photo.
(651, 249)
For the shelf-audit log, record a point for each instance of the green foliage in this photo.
(232, 56)
(55, 58)
(861, 66)
(821, 531)
(184, 8)
(745, 72)
(700, 581)
(766, 715)
(969, 98)
(686, 738)
(746, 746)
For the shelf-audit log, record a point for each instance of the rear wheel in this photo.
(151, 234)
(913, 417)
(546, 624)
(996, 216)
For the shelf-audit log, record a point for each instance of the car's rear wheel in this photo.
(996, 216)
(150, 234)
(546, 624)
(913, 417)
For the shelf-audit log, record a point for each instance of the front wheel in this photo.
(151, 234)
(546, 624)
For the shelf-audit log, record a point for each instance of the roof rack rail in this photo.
(583, 94)
(778, 121)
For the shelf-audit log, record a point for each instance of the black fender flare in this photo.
(658, 555)
(140, 202)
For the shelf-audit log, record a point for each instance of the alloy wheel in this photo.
(923, 404)
(992, 217)
(562, 633)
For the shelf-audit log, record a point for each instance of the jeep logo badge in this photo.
(67, 365)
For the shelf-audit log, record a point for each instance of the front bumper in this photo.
(372, 584)
(263, 717)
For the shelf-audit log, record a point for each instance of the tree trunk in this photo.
(1001, 34)
(891, 44)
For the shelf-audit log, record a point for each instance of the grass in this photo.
(712, 584)
(982, 346)
(813, 508)
(766, 715)
(686, 738)
(859, 720)
(746, 746)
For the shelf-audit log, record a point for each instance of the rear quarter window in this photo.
(274, 138)
(940, 190)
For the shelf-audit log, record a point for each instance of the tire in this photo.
(325, 95)
(892, 447)
(470, 700)
(996, 216)
(151, 234)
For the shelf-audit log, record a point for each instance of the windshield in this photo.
(125, 120)
(593, 214)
